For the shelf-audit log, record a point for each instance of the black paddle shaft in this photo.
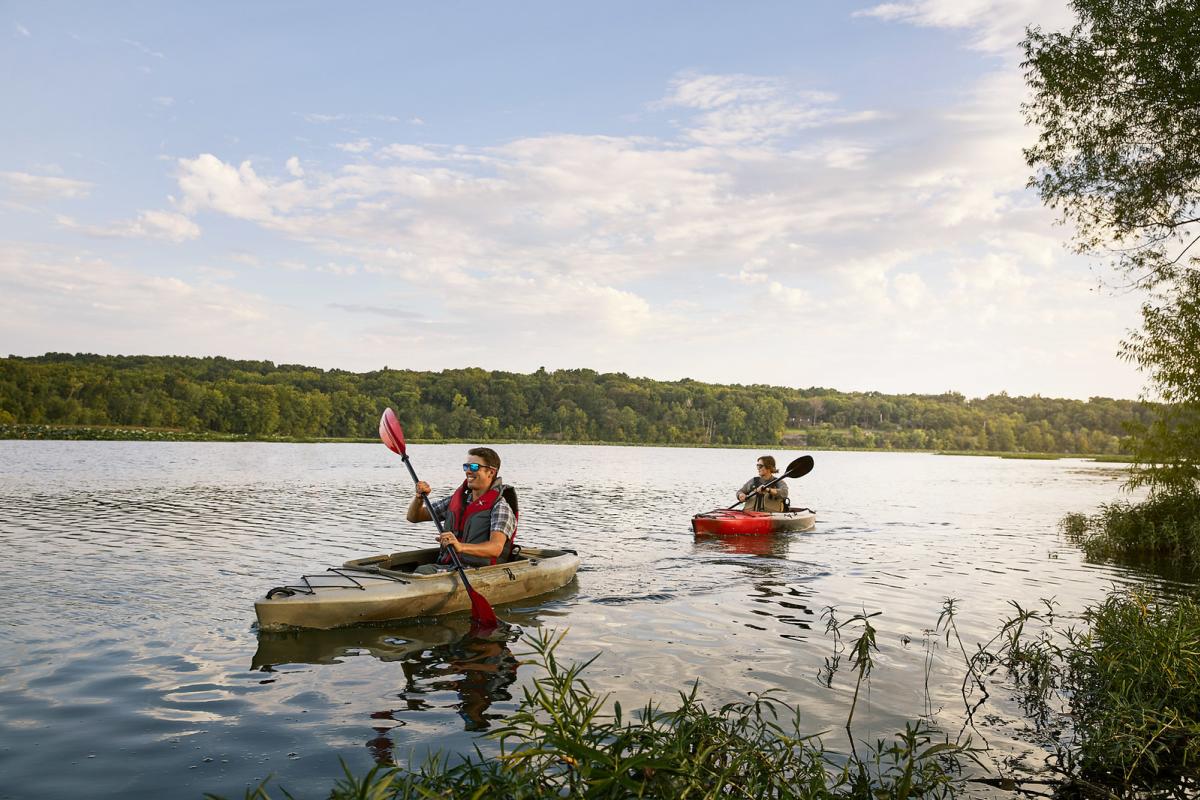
(436, 521)
(753, 491)
(797, 469)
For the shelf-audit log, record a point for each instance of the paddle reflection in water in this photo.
(479, 668)
(436, 656)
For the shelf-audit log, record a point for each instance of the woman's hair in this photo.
(491, 458)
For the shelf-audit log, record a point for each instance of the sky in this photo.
(793, 193)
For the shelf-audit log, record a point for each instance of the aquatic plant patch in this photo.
(1165, 524)
(567, 741)
(1126, 685)
(1121, 693)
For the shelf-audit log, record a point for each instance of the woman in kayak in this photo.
(774, 498)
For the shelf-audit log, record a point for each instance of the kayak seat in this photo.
(514, 549)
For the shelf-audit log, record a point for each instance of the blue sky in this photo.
(792, 193)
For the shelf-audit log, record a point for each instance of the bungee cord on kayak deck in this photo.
(352, 582)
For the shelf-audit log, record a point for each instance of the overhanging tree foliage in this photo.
(1168, 347)
(1117, 103)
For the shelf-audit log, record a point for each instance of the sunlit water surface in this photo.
(130, 666)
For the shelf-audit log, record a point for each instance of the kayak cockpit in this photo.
(403, 565)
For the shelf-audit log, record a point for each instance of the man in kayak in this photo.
(479, 518)
(774, 498)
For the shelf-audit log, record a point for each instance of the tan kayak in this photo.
(384, 587)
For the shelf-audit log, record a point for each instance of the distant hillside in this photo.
(260, 399)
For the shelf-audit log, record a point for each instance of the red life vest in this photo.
(459, 519)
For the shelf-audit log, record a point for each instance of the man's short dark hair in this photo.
(487, 456)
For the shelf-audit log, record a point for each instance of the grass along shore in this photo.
(1114, 695)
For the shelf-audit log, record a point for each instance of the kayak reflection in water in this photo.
(445, 655)
(478, 670)
(773, 499)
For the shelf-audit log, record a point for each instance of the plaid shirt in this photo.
(503, 519)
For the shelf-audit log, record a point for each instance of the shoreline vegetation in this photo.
(60, 395)
(142, 434)
(1165, 526)
(1114, 696)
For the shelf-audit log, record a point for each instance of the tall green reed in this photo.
(1121, 692)
(567, 740)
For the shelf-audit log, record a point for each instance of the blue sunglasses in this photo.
(474, 467)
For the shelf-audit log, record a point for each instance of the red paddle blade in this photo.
(482, 614)
(390, 431)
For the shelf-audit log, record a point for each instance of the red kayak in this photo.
(723, 522)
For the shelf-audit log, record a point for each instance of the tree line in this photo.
(260, 399)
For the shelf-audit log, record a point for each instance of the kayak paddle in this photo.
(797, 469)
(393, 436)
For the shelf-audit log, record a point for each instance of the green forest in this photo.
(259, 399)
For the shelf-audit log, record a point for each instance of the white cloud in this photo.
(323, 119)
(994, 274)
(357, 146)
(165, 102)
(707, 92)
(209, 183)
(143, 49)
(165, 225)
(614, 209)
(22, 30)
(884, 227)
(996, 26)
(791, 297)
(742, 109)
(106, 308)
(45, 186)
(408, 152)
(847, 156)
(911, 291)
(752, 272)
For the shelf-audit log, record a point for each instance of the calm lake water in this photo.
(130, 666)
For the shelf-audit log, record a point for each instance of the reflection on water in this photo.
(478, 669)
(776, 545)
(130, 667)
(436, 656)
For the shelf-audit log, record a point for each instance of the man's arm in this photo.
(417, 510)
